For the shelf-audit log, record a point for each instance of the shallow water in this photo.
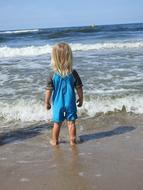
(108, 59)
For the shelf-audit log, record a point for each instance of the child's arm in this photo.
(78, 86)
(80, 96)
(48, 92)
(48, 95)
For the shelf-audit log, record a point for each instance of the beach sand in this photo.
(109, 156)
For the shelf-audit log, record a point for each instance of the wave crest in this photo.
(19, 31)
(30, 110)
(24, 111)
(24, 51)
(40, 50)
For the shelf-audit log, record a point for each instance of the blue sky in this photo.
(20, 14)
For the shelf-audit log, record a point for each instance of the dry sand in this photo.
(109, 156)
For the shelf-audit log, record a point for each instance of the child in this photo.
(60, 85)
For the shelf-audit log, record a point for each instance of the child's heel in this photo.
(73, 141)
(54, 143)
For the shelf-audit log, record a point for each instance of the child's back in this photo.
(63, 83)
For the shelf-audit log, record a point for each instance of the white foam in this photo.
(30, 110)
(112, 45)
(19, 31)
(45, 49)
(24, 110)
(101, 104)
(24, 51)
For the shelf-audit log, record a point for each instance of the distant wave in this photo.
(31, 110)
(19, 31)
(40, 50)
(73, 31)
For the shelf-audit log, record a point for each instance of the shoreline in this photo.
(109, 156)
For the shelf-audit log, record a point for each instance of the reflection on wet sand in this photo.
(70, 171)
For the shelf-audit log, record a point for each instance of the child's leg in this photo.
(55, 134)
(72, 132)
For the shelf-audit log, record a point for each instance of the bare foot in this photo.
(72, 142)
(53, 143)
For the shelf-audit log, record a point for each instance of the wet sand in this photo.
(109, 156)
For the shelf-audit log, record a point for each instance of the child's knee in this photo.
(71, 123)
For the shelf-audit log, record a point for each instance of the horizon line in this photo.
(93, 24)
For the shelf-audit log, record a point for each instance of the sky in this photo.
(29, 14)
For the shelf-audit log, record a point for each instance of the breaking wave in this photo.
(31, 110)
(19, 31)
(45, 49)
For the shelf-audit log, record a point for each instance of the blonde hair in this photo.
(62, 58)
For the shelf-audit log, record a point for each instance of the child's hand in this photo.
(48, 106)
(79, 102)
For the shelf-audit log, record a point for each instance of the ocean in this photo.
(109, 59)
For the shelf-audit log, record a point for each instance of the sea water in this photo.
(108, 58)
